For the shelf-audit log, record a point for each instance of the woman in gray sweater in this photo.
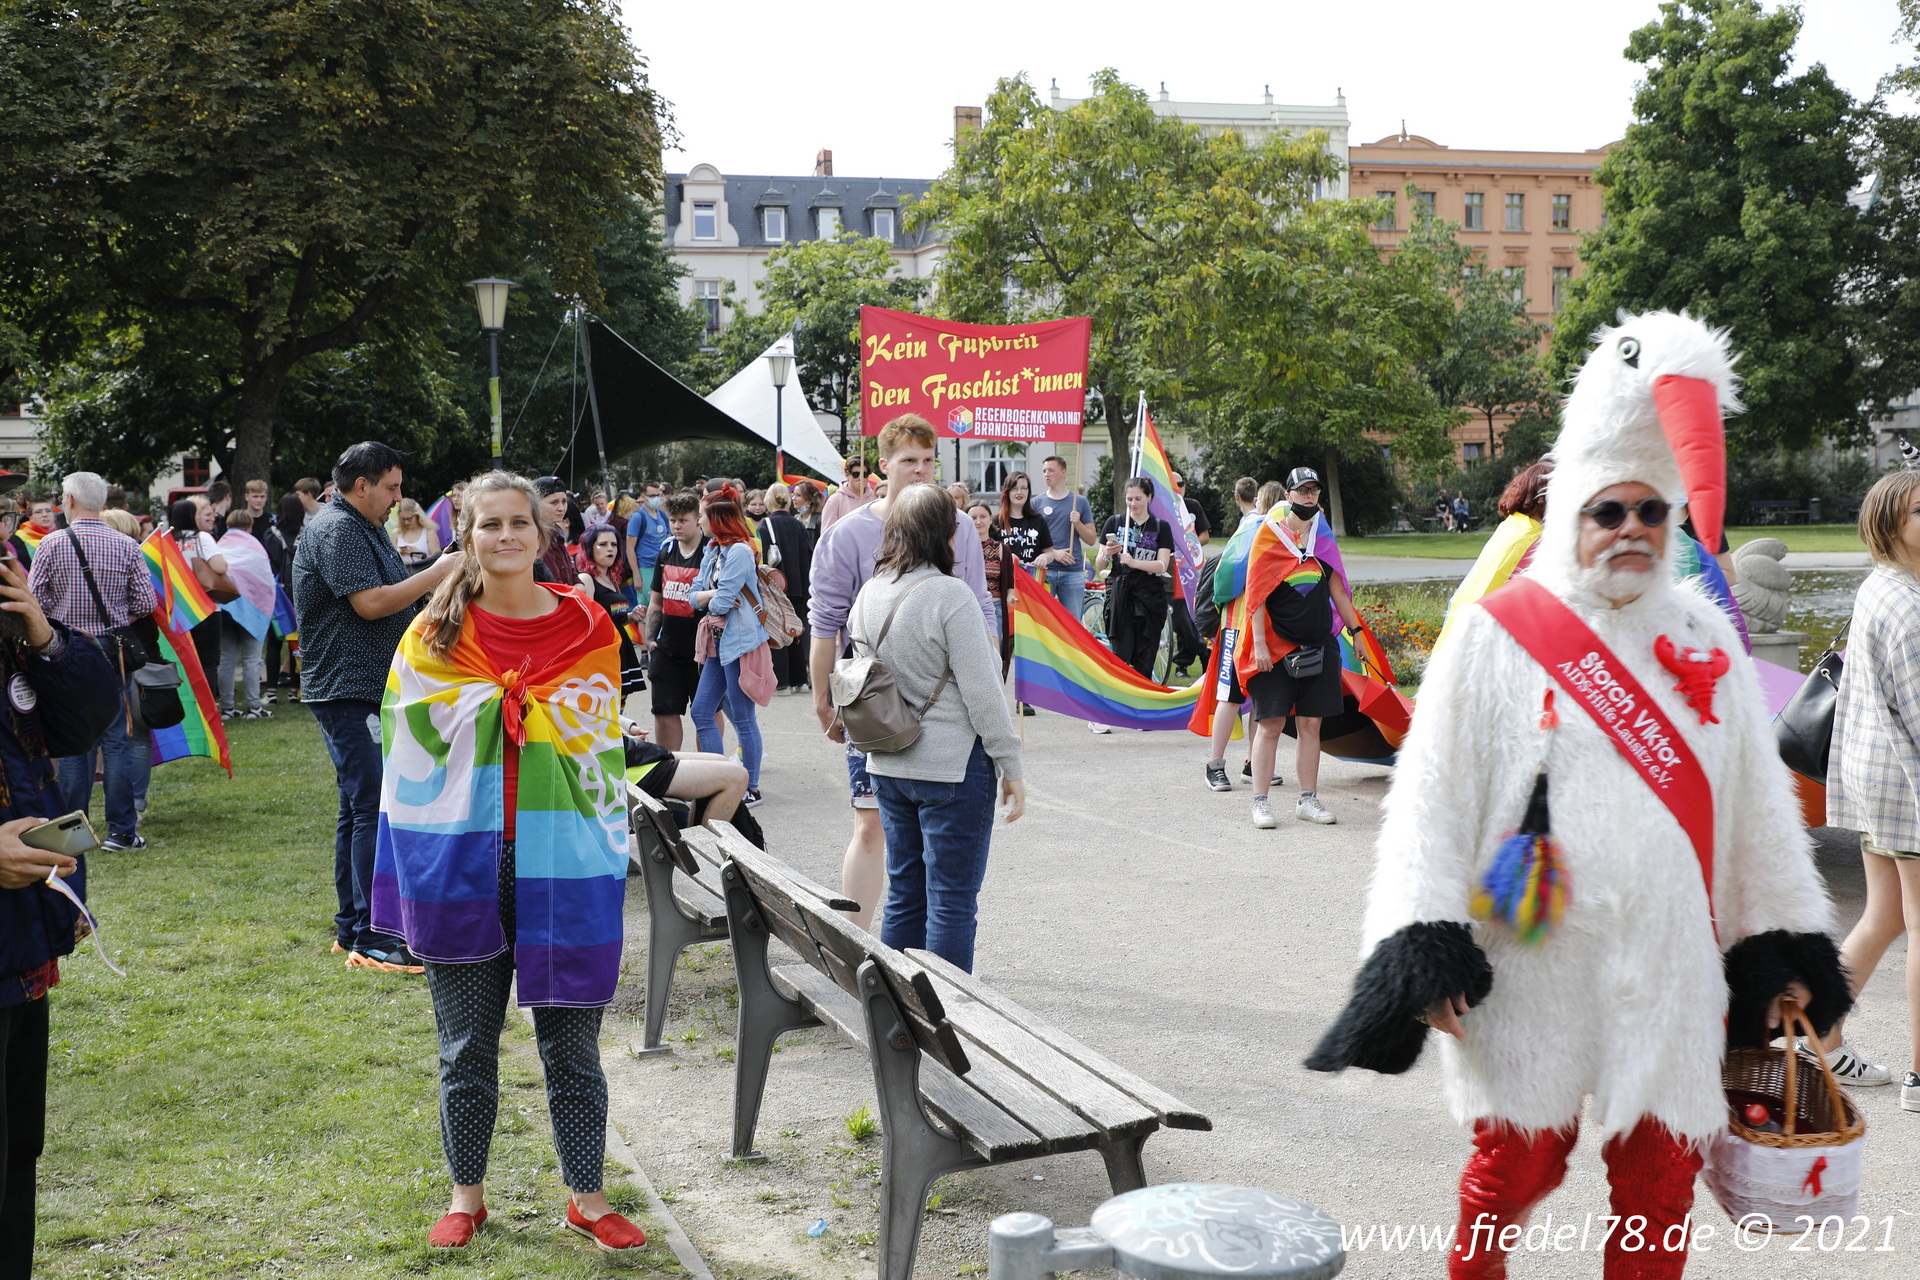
(936, 796)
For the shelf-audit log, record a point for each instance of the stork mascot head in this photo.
(1643, 423)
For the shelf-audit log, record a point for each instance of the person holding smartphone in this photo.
(1139, 546)
(63, 693)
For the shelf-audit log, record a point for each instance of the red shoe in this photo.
(609, 1231)
(456, 1230)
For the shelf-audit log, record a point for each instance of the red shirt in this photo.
(518, 644)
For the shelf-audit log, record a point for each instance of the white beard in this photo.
(1619, 586)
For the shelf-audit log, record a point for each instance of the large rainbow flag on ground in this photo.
(1058, 665)
(183, 604)
(444, 723)
(1166, 504)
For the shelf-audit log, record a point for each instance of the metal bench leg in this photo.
(668, 934)
(1125, 1170)
(912, 1152)
(765, 1015)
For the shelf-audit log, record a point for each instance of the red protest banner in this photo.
(982, 381)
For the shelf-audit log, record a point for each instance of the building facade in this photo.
(1523, 212)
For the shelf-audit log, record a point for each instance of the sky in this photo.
(759, 87)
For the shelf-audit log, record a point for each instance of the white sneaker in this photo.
(1309, 809)
(1910, 1091)
(1263, 814)
(1850, 1068)
(1094, 726)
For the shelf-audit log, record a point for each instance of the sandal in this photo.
(455, 1230)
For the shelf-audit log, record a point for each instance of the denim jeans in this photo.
(937, 836)
(127, 762)
(237, 649)
(351, 728)
(1068, 583)
(716, 681)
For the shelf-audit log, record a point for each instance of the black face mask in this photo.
(1302, 513)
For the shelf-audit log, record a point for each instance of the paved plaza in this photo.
(1144, 915)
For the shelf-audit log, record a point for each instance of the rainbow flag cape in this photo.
(1166, 504)
(1690, 560)
(31, 533)
(444, 724)
(252, 572)
(441, 516)
(183, 605)
(180, 594)
(1507, 551)
(1058, 665)
(1230, 575)
(285, 620)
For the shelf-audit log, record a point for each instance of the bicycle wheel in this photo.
(1093, 616)
(1163, 656)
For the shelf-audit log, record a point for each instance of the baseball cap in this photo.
(1300, 476)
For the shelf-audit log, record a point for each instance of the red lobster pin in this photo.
(1698, 673)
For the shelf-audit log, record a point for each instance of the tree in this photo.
(1214, 278)
(815, 289)
(1728, 198)
(1888, 281)
(281, 181)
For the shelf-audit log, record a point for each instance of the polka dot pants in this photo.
(470, 1008)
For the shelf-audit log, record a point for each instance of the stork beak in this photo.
(1689, 411)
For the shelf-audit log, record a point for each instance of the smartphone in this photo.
(71, 835)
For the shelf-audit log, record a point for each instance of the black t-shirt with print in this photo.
(1026, 536)
(1142, 541)
(673, 576)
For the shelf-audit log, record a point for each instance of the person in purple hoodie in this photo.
(842, 563)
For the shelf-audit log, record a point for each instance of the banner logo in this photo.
(960, 421)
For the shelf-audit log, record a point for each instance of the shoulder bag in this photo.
(862, 688)
(217, 585)
(1804, 727)
(122, 644)
(153, 685)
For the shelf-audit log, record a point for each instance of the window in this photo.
(1473, 451)
(989, 464)
(1563, 213)
(1386, 219)
(1561, 277)
(1516, 211)
(195, 472)
(1476, 217)
(706, 222)
(1517, 284)
(883, 224)
(828, 221)
(773, 224)
(1426, 201)
(706, 296)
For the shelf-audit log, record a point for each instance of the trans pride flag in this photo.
(444, 724)
(252, 573)
(183, 606)
(1058, 665)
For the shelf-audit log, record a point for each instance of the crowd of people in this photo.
(484, 690)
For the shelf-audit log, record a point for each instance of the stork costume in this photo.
(1624, 999)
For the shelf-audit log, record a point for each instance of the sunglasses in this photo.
(1612, 513)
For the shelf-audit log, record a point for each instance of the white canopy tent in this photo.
(747, 398)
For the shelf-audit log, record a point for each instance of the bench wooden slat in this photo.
(724, 832)
(705, 846)
(664, 826)
(987, 1130)
(1173, 1113)
(700, 904)
(1046, 1069)
(1058, 1128)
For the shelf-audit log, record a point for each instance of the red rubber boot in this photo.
(1651, 1174)
(1511, 1170)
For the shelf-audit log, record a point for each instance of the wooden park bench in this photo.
(684, 906)
(965, 1076)
(1778, 511)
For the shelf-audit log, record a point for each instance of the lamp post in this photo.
(780, 368)
(490, 295)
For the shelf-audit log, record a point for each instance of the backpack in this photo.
(776, 613)
(1206, 614)
(862, 689)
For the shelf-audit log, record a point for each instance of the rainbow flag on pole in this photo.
(441, 516)
(1058, 665)
(184, 605)
(1166, 504)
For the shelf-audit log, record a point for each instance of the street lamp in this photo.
(490, 295)
(779, 368)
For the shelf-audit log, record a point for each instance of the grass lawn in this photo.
(1465, 546)
(242, 1104)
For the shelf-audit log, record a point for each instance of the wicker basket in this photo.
(1809, 1170)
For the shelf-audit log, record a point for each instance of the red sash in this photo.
(1555, 637)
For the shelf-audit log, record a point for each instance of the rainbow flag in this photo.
(1166, 504)
(441, 514)
(1058, 665)
(31, 533)
(285, 621)
(201, 733)
(181, 596)
(444, 723)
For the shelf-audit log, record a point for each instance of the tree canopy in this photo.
(1888, 280)
(250, 186)
(1728, 198)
